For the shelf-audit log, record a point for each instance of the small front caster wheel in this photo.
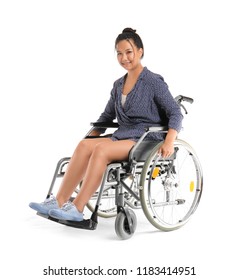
(122, 228)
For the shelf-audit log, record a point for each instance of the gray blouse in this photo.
(149, 103)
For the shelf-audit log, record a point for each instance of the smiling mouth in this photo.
(126, 63)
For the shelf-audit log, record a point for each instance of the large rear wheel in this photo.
(170, 189)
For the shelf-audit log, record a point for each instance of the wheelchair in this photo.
(167, 189)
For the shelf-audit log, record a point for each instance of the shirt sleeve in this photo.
(169, 106)
(109, 113)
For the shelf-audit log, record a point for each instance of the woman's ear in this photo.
(141, 52)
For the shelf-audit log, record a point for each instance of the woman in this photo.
(139, 99)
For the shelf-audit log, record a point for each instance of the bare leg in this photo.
(103, 153)
(76, 168)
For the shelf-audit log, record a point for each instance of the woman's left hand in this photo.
(166, 149)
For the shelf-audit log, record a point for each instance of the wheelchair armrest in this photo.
(105, 124)
(157, 129)
(99, 136)
(101, 126)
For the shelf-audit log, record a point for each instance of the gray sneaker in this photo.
(46, 206)
(68, 212)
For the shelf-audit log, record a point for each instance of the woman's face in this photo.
(128, 55)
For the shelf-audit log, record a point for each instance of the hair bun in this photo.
(129, 30)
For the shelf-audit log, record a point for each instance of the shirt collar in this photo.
(141, 76)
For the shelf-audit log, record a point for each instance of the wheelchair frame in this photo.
(144, 166)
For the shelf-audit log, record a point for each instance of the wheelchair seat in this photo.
(143, 150)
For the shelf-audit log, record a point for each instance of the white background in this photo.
(57, 67)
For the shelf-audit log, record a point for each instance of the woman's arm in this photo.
(167, 148)
(166, 102)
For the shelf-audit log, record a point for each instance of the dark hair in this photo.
(129, 33)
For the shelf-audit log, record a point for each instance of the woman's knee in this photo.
(89, 146)
(83, 147)
(100, 152)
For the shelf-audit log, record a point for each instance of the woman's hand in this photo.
(167, 148)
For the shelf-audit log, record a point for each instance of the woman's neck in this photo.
(131, 79)
(135, 73)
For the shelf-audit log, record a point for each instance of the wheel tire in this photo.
(121, 225)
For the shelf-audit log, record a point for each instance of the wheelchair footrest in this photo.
(85, 224)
